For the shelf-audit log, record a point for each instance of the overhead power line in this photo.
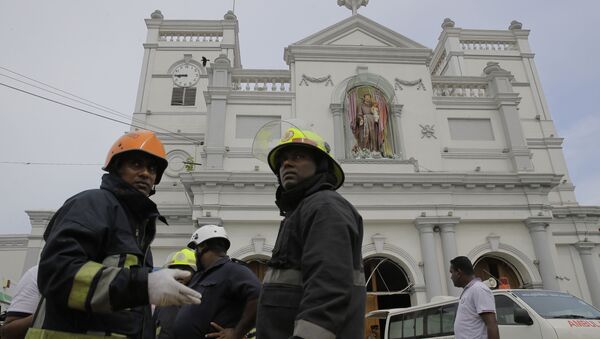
(88, 103)
(46, 163)
(70, 106)
(185, 162)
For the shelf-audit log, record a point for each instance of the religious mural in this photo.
(367, 115)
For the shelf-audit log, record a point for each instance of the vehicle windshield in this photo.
(558, 305)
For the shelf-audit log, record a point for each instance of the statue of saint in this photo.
(367, 116)
(368, 125)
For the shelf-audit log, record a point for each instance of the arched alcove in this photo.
(530, 277)
(494, 266)
(366, 118)
(258, 265)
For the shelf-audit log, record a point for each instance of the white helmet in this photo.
(208, 232)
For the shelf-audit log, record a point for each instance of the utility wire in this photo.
(91, 104)
(95, 105)
(46, 163)
(84, 102)
(69, 163)
(90, 112)
(70, 106)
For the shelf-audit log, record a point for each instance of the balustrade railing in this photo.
(472, 90)
(261, 84)
(191, 36)
(488, 45)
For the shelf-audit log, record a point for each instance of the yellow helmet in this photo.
(294, 136)
(183, 257)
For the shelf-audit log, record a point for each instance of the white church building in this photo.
(460, 157)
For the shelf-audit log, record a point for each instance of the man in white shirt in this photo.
(476, 313)
(19, 315)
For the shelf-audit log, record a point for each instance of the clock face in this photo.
(186, 75)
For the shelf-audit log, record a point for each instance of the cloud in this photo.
(583, 157)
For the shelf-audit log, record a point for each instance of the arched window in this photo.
(387, 286)
(258, 266)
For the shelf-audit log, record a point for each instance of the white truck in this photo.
(528, 313)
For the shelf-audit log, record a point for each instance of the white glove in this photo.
(165, 290)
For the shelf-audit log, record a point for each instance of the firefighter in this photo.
(184, 259)
(315, 286)
(230, 290)
(95, 272)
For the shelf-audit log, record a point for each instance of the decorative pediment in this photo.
(358, 30)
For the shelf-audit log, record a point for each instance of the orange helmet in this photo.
(141, 141)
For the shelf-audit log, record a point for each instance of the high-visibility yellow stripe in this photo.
(81, 284)
(130, 260)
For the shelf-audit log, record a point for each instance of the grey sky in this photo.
(94, 49)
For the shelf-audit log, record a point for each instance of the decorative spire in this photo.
(230, 15)
(448, 23)
(156, 15)
(515, 25)
(353, 4)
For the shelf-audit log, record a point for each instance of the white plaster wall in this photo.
(474, 66)
(569, 266)
(11, 263)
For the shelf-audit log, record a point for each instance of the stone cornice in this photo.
(195, 25)
(435, 221)
(487, 34)
(190, 48)
(444, 79)
(216, 93)
(536, 223)
(577, 212)
(428, 180)
(174, 113)
(447, 102)
(164, 76)
(261, 73)
(257, 97)
(544, 143)
(170, 139)
(375, 54)
(475, 153)
(13, 241)
(510, 99)
(585, 247)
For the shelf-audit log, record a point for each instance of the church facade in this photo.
(447, 151)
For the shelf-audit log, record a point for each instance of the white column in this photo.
(542, 247)
(219, 87)
(447, 234)
(397, 113)
(339, 146)
(432, 274)
(590, 269)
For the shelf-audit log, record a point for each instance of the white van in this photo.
(529, 314)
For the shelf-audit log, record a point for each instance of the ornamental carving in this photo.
(418, 83)
(306, 79)
(427, 131)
